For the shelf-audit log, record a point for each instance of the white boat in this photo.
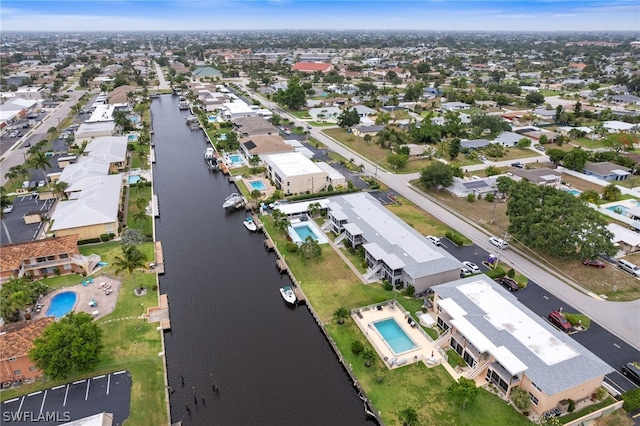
(232, 200)
(288, 295)
(209, 153)
(250, 224)
(212, 163)
(183, 105)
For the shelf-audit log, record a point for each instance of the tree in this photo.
(464, 390)
(67, 347)
(521, 399)
(4, 202)
(280, 220)
(409, 416)
(39, 160)
(524, 143)
(397, 160)
(367, 139)
(454, 148)
(140, 216)
(340, 315)
(132, 237)
(576, 159)
(557, 223)
(310, 249)
(59, 188)
(131, 259)
(314, 208)
(590, 196)
(543, 140)
(294, 97)
(436, 174)
(348, 118)
(611, 192)
(556, 155)
(368, 355)
(535, 98)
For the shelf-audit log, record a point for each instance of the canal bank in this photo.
(236, 354)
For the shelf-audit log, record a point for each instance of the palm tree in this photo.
(141, 203)
(340, 314)
(40, 161)
(280, 220)
(16, 173)
(59, 188)
(4, 202)
(368, 355)
(131, 259)
(140, 216)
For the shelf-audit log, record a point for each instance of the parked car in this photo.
(498, 242)
(472, 267)
(7, 209)
(465, 272)
(632, 371)
(517, 165)
(556, 318)
(434, 240)
(508, 283)
(596, 263)
(539, 147)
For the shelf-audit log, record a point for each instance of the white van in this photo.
(631, 268)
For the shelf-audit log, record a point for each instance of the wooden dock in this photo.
(159, 267)
(268, 244)
(299, 295)
(160, 313)
(281, 265)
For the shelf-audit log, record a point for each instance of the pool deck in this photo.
(426, 351)
(106, 303)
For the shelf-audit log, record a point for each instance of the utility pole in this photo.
(504, 238)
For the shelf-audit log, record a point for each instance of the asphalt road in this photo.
(109, 393)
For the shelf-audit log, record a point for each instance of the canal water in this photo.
(230, 328)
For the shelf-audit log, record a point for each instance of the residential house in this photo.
(474, 143)
(237, 109)
(475, 185)
(627, 240)
(507, 139)
(249, 126)
(417, 152)
(510, 346)
(607, 171)
(262, 145)
(455, 106)
(394, 251)
(361, 131)
(45, 257)
(325, 114)
(206, 72)
(624, 99)
(293, 173)
(364, 111)
(16, 340)
(546, 177)
(615, 126)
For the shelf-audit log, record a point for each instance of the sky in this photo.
(457, 15)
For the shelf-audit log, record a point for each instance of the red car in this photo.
(556, 318)
(596, 263)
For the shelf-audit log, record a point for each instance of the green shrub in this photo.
(631, 400)
(291, 247)
(572, 406)
(364, 264)
(387, 285)
(511, 273)
(454, 237)
(489, 197)
(410, 291)
(357, 347)
(496, 273)
(471, 197)
(106, 237)
(89, 241)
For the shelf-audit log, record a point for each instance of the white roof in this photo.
(301, 207)
(237, 107)
(333, 173)
(617, 125)
(292, 164)
(624, 235)
(452, 308)
(103, 112)
(110, 148)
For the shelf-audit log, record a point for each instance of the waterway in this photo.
(230, 327)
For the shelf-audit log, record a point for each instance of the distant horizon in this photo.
(516, 16)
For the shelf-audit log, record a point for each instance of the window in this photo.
(64, 256)
(17, 372)
(536, 386)
(33, 368)
(533, 399)
(12, 359)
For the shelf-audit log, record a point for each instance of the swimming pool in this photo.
(213, 118)
(133, 118)
(618, 208)
(394, 336)
(132, 138)
(574, 192)
(62, 304)
(258, 185)
(236, 159)
(299, 231)
(134, 179)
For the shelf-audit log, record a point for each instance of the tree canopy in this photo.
(294, 96)
(69, 346)
(18, 293)
(348, 118)
(437, 174)
(464, 390)
(556, 222)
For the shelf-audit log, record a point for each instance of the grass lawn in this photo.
(328, 285)
(135, 193)
(516, 153)
(321, 124)
(372, 151)
(302, 115)
(129, 344)
(589, 143)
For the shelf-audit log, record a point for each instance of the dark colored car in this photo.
(508, 283)
(559, 321)
(596, 263)
(517, 165)
(632, 371)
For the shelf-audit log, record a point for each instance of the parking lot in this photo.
(19, 231)
(110, 393)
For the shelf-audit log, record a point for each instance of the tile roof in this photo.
(16, 339)
(311, 66)
(12, 255)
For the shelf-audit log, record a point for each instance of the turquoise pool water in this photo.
(132, 138)
(305, 231)
(62, 304)
(393, 335)
(618, 208)
(258, 184)
(133, 118)
(213, 118)
(299, 231)
(574, 192)
(236, 159)
(134, 179)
